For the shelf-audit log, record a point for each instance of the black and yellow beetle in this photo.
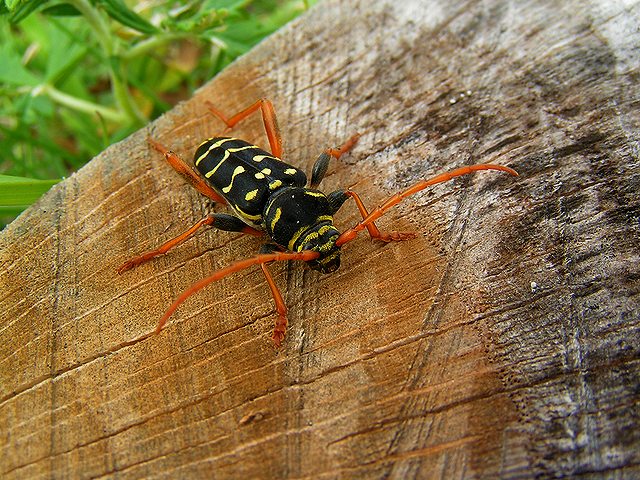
(270, 197)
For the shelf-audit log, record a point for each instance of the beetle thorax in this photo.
(298, 219)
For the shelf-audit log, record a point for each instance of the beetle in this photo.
(269, 197)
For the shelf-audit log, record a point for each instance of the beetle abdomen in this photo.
(244, 174)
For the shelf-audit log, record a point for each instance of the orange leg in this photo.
(368, 220)
(268, 117)
(188, 173)
(236, 267)
(218, 220)
(281, 308)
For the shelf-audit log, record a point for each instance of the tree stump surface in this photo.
(503, 341)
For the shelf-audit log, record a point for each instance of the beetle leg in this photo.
(268, 117)
(336, 200)
(304, 256)
(322, 163)
(221, 221)
(188, 173)
(281, 308)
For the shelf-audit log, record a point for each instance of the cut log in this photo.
(504, 341)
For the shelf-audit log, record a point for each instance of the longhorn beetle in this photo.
(269, 197)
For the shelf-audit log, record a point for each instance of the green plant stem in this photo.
(79, 104)
(153, 43)
(122, 94)
(97, 22)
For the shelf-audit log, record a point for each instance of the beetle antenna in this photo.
(375, 214)
(234, 267)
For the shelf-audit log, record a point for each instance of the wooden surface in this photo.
(504, 341)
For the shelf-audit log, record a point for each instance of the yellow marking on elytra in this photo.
(276, 217)
(238, 170)
(259, 175)
(314, 194)
(213, 170)
(259, 158)
(254, 218)
(251, 195)
(275, 184)
(211, 147)
(238, 149)
(290, 171)
(266, 171)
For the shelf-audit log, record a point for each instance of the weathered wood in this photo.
(504, 341)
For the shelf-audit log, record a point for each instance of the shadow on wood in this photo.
(503, 341)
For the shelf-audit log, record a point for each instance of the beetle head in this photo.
(322, 238)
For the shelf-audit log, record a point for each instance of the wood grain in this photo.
(503, 342)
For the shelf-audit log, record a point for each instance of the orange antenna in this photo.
(367, 221)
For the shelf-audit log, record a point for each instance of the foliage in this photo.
(78, 75)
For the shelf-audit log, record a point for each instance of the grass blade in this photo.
(20, 191)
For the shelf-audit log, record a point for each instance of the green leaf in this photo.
(12, 4)
(119, 11)
(11, 70)
(62, 61)
(10, 212)
(62, 10)
(20, 191)
(22, 9)
(226, 4)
